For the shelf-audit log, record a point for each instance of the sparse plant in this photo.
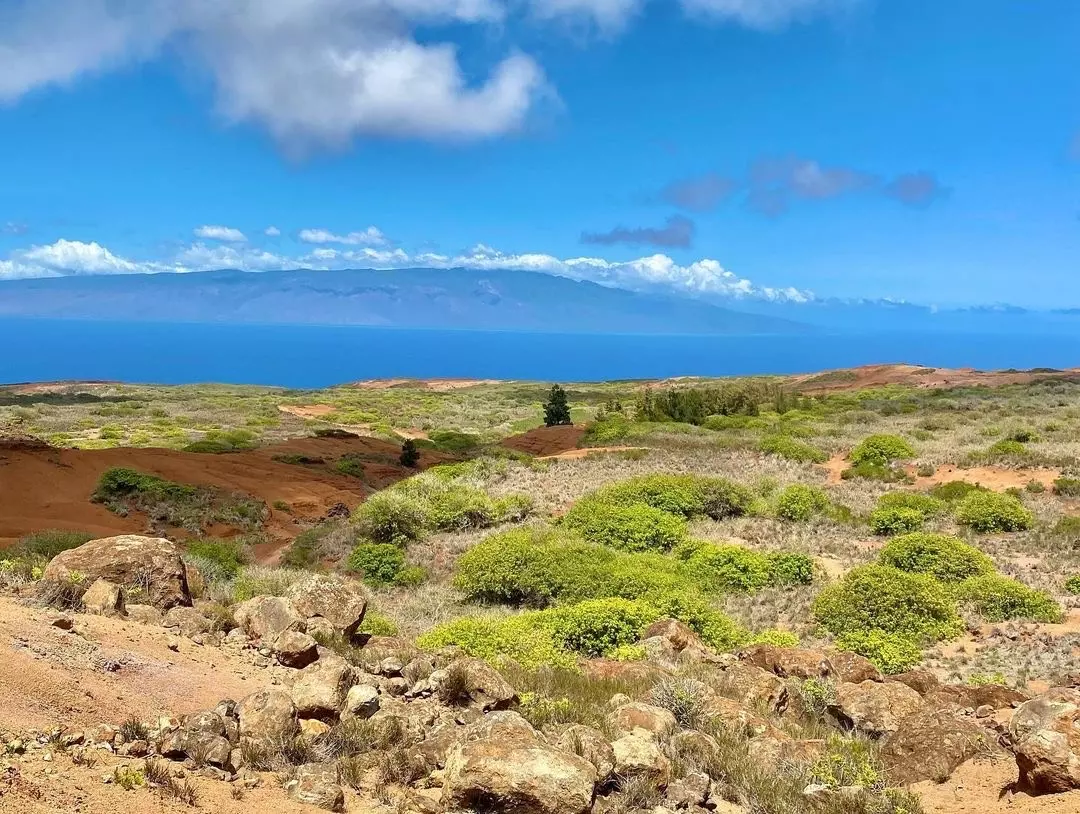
(685, 698)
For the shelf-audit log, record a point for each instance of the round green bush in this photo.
(598, 626)
(729, 568)
(379, 563)
(686, 495)
(799, 502)
(890, 652)
(926, 505)
(792, 449)
(955, 490)
(219, 559)
(878, 597)
(1072, 585)
(881, 450)
(896, 520)
(788, 568)
(1068, 487)
(390, 517)
(1006, 448)
(993, 512)
(633, 527)
(997, 598)
(941, 556)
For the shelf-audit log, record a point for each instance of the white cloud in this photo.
(367, 237)
(322, 72)
(658, 272)
(226, 233)
(272, 231)
(310, 71)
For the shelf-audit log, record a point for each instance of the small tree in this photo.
(556, 408)
(410, 455)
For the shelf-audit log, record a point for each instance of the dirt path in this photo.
(546, 441)
(983, 787)
(585, 452)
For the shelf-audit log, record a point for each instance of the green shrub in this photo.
(379, 563)
(729, 568)
(788, 568)
(896, 520)
(1069, 487)
(597, 626)
(955, 490)
(47, 544)
(777, 638)
(890, 652)
(881, 598)
(519, 638)
(390, 517)
(941, 556)
(799, 502)
(792, 449)
(1067, 527)
(375, 624)
(1006, 448)
(1024, 436)
(226, 557)
(632, 527)
(454, 442)
(881, 450)
(686, 495)
(992, 512)
(873, 471)
(926, 505)
(998, 598)
(1034, 487)
(1072, 585)
(613, 427)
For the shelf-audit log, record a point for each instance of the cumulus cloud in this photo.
(657, 272)
(225, 233)
(677, 232)
(319, 71)
(700, 193)
(322, 72)
(272, 231)
(366, 237)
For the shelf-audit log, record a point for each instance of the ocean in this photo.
(303, 356)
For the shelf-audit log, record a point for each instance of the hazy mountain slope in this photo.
(414, 298)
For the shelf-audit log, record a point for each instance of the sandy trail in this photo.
(992, 477)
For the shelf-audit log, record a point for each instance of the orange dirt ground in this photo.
(992, 477)
(858, 378)
(546, 441)
(46, 488)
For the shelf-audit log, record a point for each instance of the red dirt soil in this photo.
(996, 478)
(546, 441)
(47, 488)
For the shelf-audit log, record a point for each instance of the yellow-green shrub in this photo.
(895, 520)
(998, 598)
(941, 556)
(881, 450)
(792, 449)
(799, 502)
(993, 512)
(630, 527)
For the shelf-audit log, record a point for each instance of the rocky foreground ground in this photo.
(141, 698)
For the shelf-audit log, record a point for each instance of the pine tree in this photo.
(410, 455)
(556, 409)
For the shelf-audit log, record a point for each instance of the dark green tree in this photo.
(556, 408)
(410, 455)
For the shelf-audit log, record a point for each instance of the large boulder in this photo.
(639, 755)
(317, 785)
(320, 689)
(803, 663)
(589, 743)
(929, 745)
(295, 649)
(628, 717)
(514, 772)
(874, 708)
(1045, 736)
(202, 747)
(267, 617)
(267, 715)
(975, 696)
(473, 683)
(752, 686)
(339, 602)
(152, 564)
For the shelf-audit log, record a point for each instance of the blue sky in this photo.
(911, 149)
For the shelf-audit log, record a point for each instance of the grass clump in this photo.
(946, 558)
(1067, 487)
(989, 512)
(998, 598)
(792, 449)
(881, 450)
(633, 527)
(799, 502)
(47, 544)
(955, 490)
(218, 559)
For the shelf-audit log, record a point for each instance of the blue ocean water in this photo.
(315, 356)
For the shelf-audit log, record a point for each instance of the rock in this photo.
(362, 701)
(62, 621)
(776, 750)
(689, 792)
(339, 602)
(209, 721)
(267, 617)
(1045, 736)
(316, 784)
(295, 649)
(189, 621)
(736, 715)
(874, 707)
(985, 711)
(196, 581)
(635, 715)
(321, 688)
(752, 687)
(669, 643)
(803, 663)
(202, 747)
(929, 745)
(146, 614)
(474, 683)
(267, 715)
(312, 728)
(104, 598)
(638, 754)
(515, 772)
(694, 747)
(151, 563)
(922, 681)
(968, 695)
(589, 743)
